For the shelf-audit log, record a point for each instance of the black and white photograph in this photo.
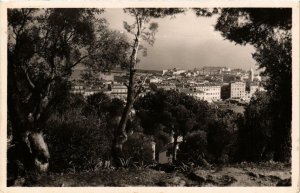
(150, 96)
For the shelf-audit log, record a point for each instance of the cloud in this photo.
(187, 42)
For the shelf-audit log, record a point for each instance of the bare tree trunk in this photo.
(28, 152)
(175, 143)
(120, 132)
(28, 157)
(153, 144)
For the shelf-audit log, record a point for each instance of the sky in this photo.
(186, 42)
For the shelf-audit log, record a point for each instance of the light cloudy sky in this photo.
(186, 42)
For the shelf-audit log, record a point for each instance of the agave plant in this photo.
(125, 163)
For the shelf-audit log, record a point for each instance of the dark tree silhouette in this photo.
(269, 31)
(44, 45)
(170, 112)
(256, 131)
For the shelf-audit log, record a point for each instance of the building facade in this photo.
(211, 92)
(238, 90)
(118, 91)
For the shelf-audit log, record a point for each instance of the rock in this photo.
(251, 174)
(174, 181)
(199, 177)
(285, 182)
(205, 178)
(274, 178)
(226, 180)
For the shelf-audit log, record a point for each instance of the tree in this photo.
(37, 73)
(217, 138)
(167, 112)
(59, 40)
(142, 29)
(111, 48)
(269, 31)
(256, 129)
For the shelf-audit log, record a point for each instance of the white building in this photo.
(118, 91)
(212, 92)
(238, 90)
(199, 95)
(78, 88)
(178, 72)
(155, 80)
(207, 93)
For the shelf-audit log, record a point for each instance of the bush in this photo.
(194, 148)
(138, 148)
(256, 130)
(77, 142)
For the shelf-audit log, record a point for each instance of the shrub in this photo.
(76, 142)
(138, 147)
(193, 148)
(256, 130)
(222, 137)
(218, 137)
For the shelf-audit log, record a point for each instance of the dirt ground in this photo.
(244, 174)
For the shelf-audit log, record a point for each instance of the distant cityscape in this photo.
(222, 86)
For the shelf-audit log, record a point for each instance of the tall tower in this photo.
(251, 75)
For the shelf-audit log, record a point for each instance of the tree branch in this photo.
(30, 82)
(77, 62)
(126, 85)
(74, 64)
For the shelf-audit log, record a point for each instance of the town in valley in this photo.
(224, 87)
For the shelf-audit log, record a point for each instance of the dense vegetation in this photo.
(84, 134)
(80, 137)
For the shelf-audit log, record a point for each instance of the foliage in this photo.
(172, 110)
(141, 29)
(208, 133)
(138, 147)
(37, 74)
(99, 103)
(221, 135)
(218, 137)
(256, 130)
(253, 25)
(77, 142)
(193, 148)
(269, 31)
(185, 168)
(59, 40)
(125, 163)
(110, 49)
(116, 107)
